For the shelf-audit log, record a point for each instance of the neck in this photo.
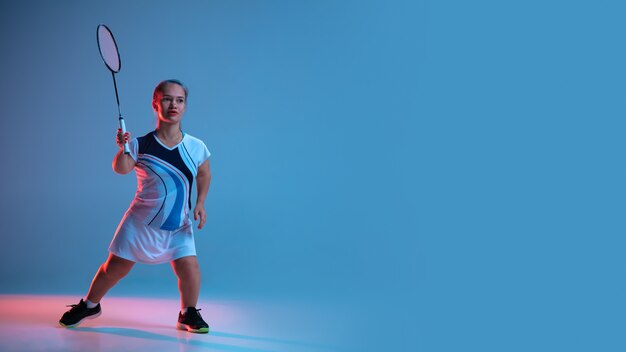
(168, 131)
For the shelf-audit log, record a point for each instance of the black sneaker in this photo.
(78, 313)
(192, 321)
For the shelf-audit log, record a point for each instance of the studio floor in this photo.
(29, 323)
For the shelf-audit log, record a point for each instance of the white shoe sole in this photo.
(185, 327)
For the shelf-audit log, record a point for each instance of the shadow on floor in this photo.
(269, 339)
(141, 334)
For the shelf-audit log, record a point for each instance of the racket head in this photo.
(108, 48)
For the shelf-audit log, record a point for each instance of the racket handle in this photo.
(123, 127)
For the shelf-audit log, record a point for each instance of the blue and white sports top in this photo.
(165, 177)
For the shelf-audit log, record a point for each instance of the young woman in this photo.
(156, 228)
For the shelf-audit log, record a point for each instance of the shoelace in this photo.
(195, 317)
(74, 307)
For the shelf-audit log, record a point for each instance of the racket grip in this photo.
(123, 127)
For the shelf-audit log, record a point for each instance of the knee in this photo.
(113, 271)
(188, 271)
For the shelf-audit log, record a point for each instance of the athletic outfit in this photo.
(157, 228)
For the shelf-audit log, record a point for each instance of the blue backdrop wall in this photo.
(458, 165)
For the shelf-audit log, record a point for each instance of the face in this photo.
(170, 104)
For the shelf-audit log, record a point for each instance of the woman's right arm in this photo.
(122, 163)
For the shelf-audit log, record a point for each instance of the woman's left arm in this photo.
(203, 179)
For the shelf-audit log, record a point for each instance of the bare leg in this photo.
(114, 269)
(188, 272)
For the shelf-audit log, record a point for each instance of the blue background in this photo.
(452, 168)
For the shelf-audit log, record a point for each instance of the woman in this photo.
(157, 228)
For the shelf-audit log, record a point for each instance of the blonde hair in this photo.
(161, 86)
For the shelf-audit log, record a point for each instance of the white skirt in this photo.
(138, 242)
